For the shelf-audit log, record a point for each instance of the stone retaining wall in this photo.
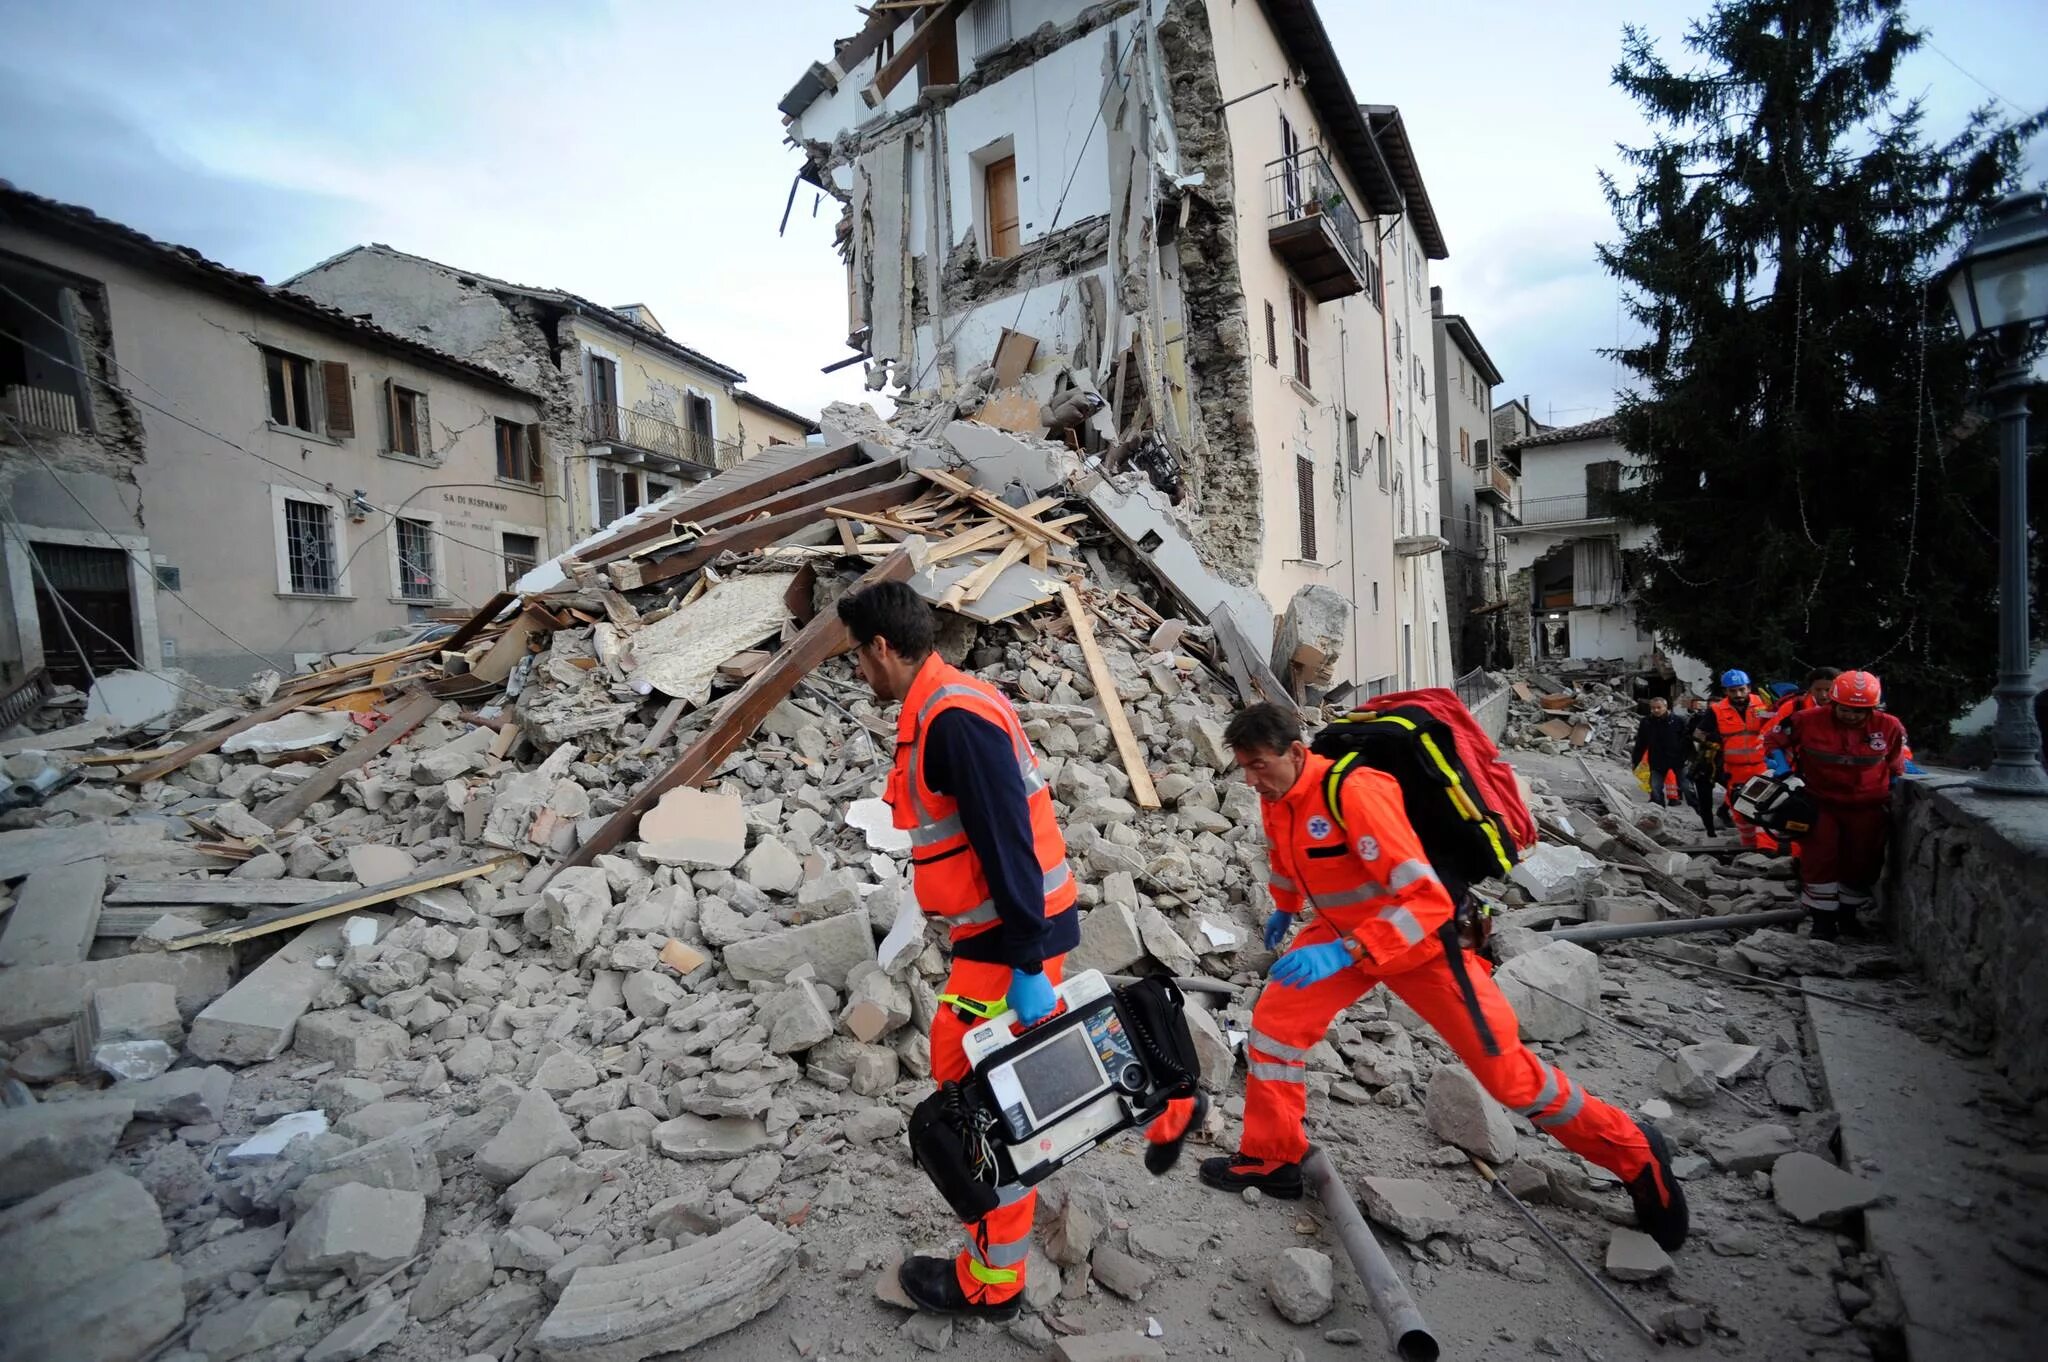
(1966, 886)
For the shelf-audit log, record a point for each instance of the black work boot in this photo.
(1659, 1200)
(935, 1286)
(1163, 1153)
(1235, 1172)
(1827, 923)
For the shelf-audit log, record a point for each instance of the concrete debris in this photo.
(1815, 1192)
(1302, 1285)
(1411, 1207)
(1549, 873)
(695, 829)
(536, 1130)
(1633, 1256)
(1550, 987)
(1460, 1111)
(253, 1323)
(1124, 1347)
(1752, 1150)
(56, 913)
(53, 1142)
(363, 1231)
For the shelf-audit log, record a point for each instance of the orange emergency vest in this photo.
(1367, 877)
(946, 875)
(1742, 740)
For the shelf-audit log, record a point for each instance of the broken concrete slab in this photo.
(1815, 1192)
(52, 1142)
(1302, 1285)
(832, 947)
(118, 1316)
(1548, 987)
(56, 912)
(695, 829)
(1725, 1060)
(144, 1010)
(374, 864)
(1752, 1150)
(185, 1097)
(377, 1324)
(208, 1267)
(459, 1271)
(1129, 1346)
(1788, 1085)
(27, 850)
(1461, 1112)
(1633, 1256)
(50, 995)
(1109, 940)
(1686, 1078)
(690, 1138)
(624, 1312)
(73, 1233)
(536, 1130)
(257, 1018)
(1549, 873)
(1212, 1048)
(363, 1231)
(257, 1321)
(1120, 1273)
(353, 1040)
(1410, 1207)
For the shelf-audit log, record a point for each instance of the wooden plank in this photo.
(743, 489)
(347, 901)
(980, 537)
(819, 490)
(1142, 792)
(983, 578)
(157, 770)
(124, 758)
(996, 506)
(1014, 353)
(665, 725)
(223, 892)
(403, 720)
(759, 534)
(897, 67)
(478, 622)
(349, 671)
(130, 922)
(741, 712)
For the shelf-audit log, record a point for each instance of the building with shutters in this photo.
(1478, 490)
(203, 472)
(632, 413)
(1200, 228)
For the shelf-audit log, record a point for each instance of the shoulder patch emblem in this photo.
(1319, 827)
(1369, 848)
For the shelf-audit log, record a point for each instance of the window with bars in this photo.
(521, 553)
(1305, 497)
(416, 580)
(309, 548)
(1297, 308)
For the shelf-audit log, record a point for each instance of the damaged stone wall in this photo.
(112, 444)
(1521, 600)
(1223, 469)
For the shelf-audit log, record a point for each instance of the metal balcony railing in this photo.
(1558, 510)
(638, 431)
(1312, 225)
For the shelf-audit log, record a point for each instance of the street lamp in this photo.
(1999, 288)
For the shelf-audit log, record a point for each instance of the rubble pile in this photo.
(1594, 715)
(364, 1019)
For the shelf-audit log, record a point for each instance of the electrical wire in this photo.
(34, 453)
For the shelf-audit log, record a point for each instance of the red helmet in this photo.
(1858, 690)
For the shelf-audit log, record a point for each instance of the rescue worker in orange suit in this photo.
(1737, 721)
(1848, 753)
(1819, 682)
(1383, 916)
(988, 858)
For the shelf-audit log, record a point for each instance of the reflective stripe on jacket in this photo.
(1844, 763)
(1742, 743)
(1368, 878)
(946, 874)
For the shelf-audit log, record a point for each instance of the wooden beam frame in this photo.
(830, 459)
(825, 489)
(757, 534)
(403, 720)
(897, 67)
(345, 902)
(741, 712)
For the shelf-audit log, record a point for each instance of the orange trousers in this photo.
(991, 1267)
(1288, 1022)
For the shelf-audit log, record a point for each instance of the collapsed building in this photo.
(554, 990)
(1171, 236)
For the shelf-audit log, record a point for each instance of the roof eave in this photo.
(1474, 351)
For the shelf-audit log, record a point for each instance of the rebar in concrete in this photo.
(1395, 1308)
(1501, 1189)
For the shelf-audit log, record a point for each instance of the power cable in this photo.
(1969, 75)
(61, 486)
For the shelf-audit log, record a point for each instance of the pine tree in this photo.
(1822, 487)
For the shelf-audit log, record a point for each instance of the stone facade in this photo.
(1964, 884)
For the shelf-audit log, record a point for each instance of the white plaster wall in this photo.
(1052, 312)
(206, 507)
(1560, 470)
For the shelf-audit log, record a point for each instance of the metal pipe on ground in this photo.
(1627, 931)
(1396, 1309)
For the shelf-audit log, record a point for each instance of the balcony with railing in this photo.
(1566, 510)
(1313, 227)
(1497, 482)
(636, 437)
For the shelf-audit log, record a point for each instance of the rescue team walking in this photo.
(988, 858)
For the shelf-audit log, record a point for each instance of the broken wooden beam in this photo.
(1143, 794)
(347, 901)
(741, 712)
(177, 761)
(402, 721)
(749, 535)
(222, 892)
(825, 489)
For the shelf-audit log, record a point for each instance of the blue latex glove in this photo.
(1307, 965)
(1775, 762)
(1031, 997)
(1276, 929)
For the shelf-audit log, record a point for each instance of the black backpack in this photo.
(1465, 838)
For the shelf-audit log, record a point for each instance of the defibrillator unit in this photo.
(1038, 1098)
(1778, 804)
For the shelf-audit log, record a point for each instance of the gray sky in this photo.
(632, 152)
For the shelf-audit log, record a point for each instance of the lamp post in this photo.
(1999, 288)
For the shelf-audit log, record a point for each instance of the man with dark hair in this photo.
(1381, 910)
(988, 857)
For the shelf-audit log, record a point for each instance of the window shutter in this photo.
(533, 464)
(423, 429)
(391, 441)
(341, 411)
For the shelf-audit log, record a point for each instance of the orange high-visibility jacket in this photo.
(946, 875)
(1742, 741)
(1367, 878)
